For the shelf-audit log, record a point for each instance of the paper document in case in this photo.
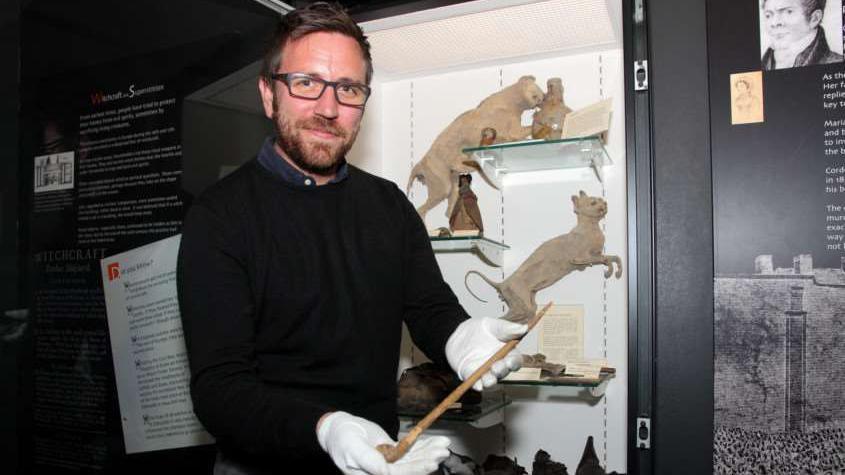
(591, 120)
(148, 348)
(561, 336)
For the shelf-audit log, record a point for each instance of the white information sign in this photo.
(148, 347)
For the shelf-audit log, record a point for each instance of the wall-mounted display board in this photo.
(777, 90)
(104, 165)
(102, 156)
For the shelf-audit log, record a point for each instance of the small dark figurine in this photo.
(548, 121)
(465, 215)
(544, 465)
(457, 464)
(488, 136)
(499, 465)
(422, 387)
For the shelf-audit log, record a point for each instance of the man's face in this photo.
(786, 22)
(316, 134)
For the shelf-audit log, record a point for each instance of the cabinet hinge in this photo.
(641, 75)
(643, 433)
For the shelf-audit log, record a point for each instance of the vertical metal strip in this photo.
(641, 265)
(502, 203)
(411, 158)
(603, 283)
(504, 427)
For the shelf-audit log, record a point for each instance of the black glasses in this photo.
(304, 86)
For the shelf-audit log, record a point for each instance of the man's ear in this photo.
(816, 18)
(266, 91)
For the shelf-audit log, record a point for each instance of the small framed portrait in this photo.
(797, 33)
(747, 98)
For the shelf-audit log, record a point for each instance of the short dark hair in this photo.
(316, 17)
(809, 6)
(812, 5)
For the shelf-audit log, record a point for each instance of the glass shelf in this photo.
(595, 387)
(533, 155)
(472, 414)
(489, 250)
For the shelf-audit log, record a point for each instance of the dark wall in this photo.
(9, 69)
(683, 243)
(9, 299)
(61, 36)
(190, 43)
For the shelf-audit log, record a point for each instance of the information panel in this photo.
(777, 91)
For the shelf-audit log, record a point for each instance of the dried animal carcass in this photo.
(488, 136)
(457, 464)
(538, 360)
(544, 465)
(548, 120)
(444, 162)
(590, 464)
(422, 387)
(500, 465)
(578, 249)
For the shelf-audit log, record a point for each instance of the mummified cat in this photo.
(578, 249)
(443, 163)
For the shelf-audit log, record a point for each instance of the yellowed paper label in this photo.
(524, 374)
(561, 335)
(585, 368)
(747, 98)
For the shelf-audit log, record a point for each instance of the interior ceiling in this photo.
(62, 35)
(491, 31)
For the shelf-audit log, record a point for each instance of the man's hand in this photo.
(351, 443)
(475, 341)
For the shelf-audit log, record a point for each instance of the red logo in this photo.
(113, 270)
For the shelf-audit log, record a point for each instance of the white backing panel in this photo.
(367, 154)
(530, 209)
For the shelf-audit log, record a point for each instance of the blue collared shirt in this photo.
(272, 161)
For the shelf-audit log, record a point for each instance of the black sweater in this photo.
(292, 301)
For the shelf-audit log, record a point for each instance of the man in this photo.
(293, 290)
(797, 37)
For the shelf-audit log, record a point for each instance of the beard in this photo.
(315, 157)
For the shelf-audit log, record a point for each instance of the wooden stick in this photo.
(393, 453)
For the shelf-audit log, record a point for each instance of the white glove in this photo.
(351, 443)
(475, 341)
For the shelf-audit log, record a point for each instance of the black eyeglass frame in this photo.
(285, 78)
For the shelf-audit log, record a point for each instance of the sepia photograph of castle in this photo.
(53, 172)
(780, 369)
